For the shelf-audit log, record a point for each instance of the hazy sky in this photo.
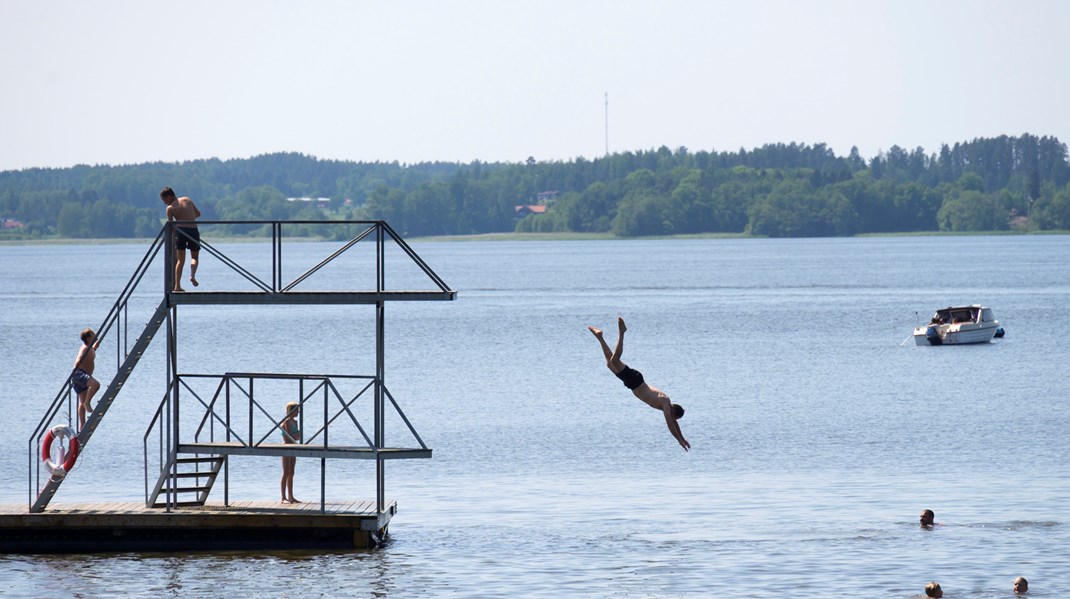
(96, 82)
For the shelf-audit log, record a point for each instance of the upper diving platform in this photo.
(370, 249)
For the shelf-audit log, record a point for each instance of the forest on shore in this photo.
(777, 190)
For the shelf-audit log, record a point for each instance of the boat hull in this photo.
(955, 334)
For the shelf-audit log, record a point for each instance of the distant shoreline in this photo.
(491, 237)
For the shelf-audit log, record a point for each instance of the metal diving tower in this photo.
(205, 418)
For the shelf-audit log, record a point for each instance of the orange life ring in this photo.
(62, 468)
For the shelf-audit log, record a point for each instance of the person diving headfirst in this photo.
(634, 380)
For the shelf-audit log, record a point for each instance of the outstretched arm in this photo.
(674, 426)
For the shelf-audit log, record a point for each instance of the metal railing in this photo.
(233, 414)
(378, 230)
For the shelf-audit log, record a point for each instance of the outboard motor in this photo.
(933, 336)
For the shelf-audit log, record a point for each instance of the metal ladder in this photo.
(105, 400)
(174, 480)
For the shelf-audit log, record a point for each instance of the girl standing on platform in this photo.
(291, 433)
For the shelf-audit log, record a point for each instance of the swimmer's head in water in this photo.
(927, 517)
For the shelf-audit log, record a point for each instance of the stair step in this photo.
(201, 474)
(198, 460)
(185, 489)
(180, 504)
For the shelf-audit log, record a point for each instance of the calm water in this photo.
(818, 435)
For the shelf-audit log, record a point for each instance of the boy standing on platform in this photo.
(186, 236)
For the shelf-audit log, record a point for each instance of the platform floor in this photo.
(130, 526)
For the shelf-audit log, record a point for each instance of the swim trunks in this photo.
(631, 377)
(193, 242)
(80, 380)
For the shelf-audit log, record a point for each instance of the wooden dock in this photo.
(243, 525)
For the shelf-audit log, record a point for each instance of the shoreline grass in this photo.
(492, 237)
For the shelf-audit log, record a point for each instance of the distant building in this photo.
(10, 223)
(319, 202)
(547, 197)
(522, 211)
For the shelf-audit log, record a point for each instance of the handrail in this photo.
(64, 394)
(277, 284)
(415, 257)
(345, 408)
(301, 403)
(339, 252)
(324, 384)
(156, 417)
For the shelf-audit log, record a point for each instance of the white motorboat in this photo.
(959, 325)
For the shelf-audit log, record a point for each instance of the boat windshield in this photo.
(955, 315)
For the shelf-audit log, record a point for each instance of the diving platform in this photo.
(250, 525)
(204, 418)
(334, 298)
(344, 452)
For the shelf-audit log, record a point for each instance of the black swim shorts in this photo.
(631, 377)
(193, 242)
(80, 380)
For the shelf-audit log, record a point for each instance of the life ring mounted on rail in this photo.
(63, 463)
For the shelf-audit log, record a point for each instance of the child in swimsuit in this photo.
(291, 433)
(85, 386)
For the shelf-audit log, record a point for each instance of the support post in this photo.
(323, 461)
(380, 411)
(168, 258)
(226, 464)
(170, 441)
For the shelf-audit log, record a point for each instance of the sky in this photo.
(128, 82)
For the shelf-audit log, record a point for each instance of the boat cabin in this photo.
(951, 315)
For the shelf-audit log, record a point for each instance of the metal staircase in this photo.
(104, 401)
(185, 476)
(43, 487)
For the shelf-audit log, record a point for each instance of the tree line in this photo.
(777, 190)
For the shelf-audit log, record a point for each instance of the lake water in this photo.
(818, 435)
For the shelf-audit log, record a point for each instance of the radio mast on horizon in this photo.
(607, 123)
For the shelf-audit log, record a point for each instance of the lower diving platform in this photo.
(242, 525)
(344, 452)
